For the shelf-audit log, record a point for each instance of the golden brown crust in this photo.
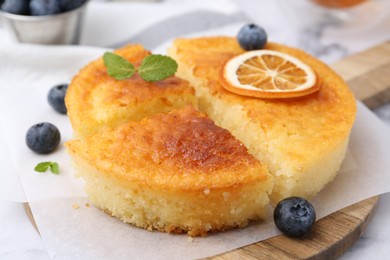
(180, 150)
(191, 138)
(94, 99)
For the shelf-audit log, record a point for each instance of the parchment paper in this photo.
(88, 233)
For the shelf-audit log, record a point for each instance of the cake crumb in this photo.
(87, 205)
(190, 239)
(75, 206)
(150, 228)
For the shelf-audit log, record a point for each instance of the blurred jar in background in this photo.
(338, 3)
(356, 14)
(327, 28)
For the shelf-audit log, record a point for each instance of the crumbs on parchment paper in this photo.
(77, 206)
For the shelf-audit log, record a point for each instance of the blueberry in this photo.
(294, 216)
(56, 98)
(43, 138)
(67, 5)
(16, 7)
(252, 37)
(44, 7)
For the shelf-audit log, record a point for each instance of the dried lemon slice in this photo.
(268, 74)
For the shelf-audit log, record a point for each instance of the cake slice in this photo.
(175, 172)
(301, 140)
(95, 100)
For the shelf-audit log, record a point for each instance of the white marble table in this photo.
(18, 238)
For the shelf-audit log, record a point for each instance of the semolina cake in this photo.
(301, 140)
(175, 172)
(95, 100)
(184, 155)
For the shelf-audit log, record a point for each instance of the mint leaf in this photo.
(44, 166)
(157, 67)
(118, 67)
(153, 67)
(55, 168)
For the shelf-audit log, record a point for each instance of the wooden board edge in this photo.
(30, 216)
(330, 237)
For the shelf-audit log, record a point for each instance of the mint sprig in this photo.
(44, 166)
(118, 67)
(153, 68)
(157, 67)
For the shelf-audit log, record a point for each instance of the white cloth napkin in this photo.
(18, 238)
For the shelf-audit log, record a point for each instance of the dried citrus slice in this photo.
(268, 74)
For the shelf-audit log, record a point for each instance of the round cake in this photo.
(193, 157)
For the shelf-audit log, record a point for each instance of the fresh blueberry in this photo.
(43, 138)
(45, 7)
(67, 5)
(16, 6)
(294, 216)
(252, 37)
(56, 98)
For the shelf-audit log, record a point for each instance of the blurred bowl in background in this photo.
(62, 28)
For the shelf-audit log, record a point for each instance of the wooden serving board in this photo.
(367, 74)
